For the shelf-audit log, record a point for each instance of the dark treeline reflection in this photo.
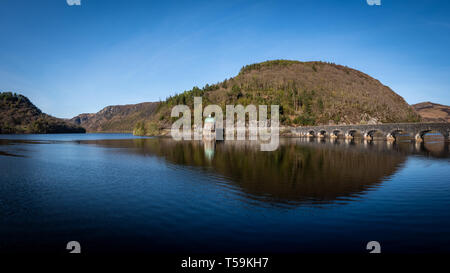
(299, 171)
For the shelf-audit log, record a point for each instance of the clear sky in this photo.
(75, 59)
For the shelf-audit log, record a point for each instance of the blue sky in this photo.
(76, 59)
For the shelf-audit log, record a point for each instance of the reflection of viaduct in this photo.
(389, 131)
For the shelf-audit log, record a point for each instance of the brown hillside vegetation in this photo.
(433, 112)
(18, 115)
(309, 93)
(117, 118)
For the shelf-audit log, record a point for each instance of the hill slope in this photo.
(433, 112)
(19, 115)
(117, 118)
(309, 93)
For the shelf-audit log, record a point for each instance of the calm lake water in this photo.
(120, 193)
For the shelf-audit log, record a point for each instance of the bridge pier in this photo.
(368, 137)
(418, 138)
(348, 136)
(390, 137)
(446, 136)
(418, 145)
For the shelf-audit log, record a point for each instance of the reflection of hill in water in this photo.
(299, 171)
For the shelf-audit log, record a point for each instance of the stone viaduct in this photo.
(390, 131)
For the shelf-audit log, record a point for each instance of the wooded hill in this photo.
(19, 116)
(309, 93)
(116, 118)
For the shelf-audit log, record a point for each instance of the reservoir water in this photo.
(120, 193)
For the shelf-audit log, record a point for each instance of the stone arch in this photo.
(322, 133)
(371, 133)
(335, 133)
(420, 136)
(352, 133)
(311, 133)
(396, 133)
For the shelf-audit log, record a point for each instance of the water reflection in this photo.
(209, 147)
(136, 192)
(301, 171)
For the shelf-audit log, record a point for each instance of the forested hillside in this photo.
(19, 115)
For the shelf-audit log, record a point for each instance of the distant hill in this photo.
(309, 93)
(433, 112)
(117, 118)
(19, 115)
